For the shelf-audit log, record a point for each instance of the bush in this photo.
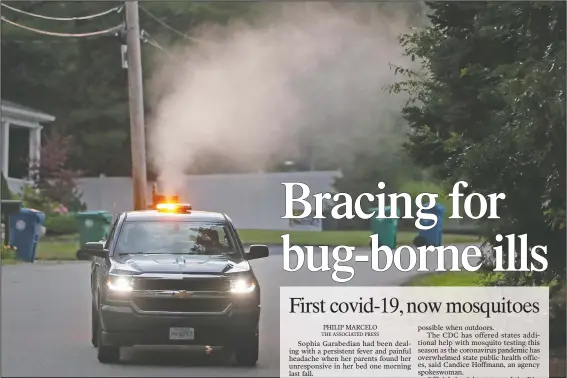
(415, 188)
(33, 198)
(8, 252)
(52, 176)
(5, 193)
(58, 221)
(557, 319)
(63, 224)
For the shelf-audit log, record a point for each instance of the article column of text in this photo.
(421, 332)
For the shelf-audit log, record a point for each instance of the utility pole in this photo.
(136, 101)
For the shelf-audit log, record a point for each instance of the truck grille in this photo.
(193, 284)
(182, 305)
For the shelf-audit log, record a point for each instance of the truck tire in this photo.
(246, 350)
(107, 354)
(94, 326)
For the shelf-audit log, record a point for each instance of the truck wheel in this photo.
(107, 354)
(94, 326)
(246, 350)
(419, 241)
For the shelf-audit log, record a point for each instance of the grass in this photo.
(463, 278)
(9, 261)
(350, 238)
(57, 248)
(54, 248)
(65, 247)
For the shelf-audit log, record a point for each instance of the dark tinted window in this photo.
(175, 237)
(111, 233)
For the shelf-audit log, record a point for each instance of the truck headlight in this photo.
(242, 286)
(120, 284)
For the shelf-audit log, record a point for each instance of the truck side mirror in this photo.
(95, 249)
(257, 251)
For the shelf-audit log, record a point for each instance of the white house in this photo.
(18, 116)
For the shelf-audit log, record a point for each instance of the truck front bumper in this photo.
(123, 326)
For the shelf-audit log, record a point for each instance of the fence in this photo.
(252, 201)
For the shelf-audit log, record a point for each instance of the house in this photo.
(15, 116)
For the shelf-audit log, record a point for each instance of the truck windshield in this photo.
(157, 237)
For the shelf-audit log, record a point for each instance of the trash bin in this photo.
(93, 225)
(8, 207)
(386, 228)
(433, 236)
(25, 228)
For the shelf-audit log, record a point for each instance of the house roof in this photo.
(25, 111)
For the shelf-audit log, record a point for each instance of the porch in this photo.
(19, 121)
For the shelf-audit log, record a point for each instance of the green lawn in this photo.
(9, 262)
(65, 247)
(351, 238)
(463, 278)
(58, 248)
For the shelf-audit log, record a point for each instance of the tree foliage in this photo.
(51, 175)
(81, 80)
(489, 109)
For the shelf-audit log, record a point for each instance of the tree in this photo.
(52, 177)
(383, 160)
(489, 109)
(81, 80)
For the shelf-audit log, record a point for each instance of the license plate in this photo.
(181, 333)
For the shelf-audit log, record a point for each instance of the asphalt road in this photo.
(46, 322)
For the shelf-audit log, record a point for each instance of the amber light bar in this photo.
(173, 207)
(163, 201)
(167, 206)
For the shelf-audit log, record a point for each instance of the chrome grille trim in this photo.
(175, 276)
(172, 293)
(175, 295)
(142, 312)
(187, 283)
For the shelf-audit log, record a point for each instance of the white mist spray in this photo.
(302, 72)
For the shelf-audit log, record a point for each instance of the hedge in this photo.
(63, 224)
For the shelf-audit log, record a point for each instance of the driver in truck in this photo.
(136, 240)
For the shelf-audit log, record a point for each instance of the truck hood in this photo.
(190, 264)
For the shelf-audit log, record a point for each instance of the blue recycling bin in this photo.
(433, 236)
(25, 228)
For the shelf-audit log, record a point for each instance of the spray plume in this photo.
(303, 74)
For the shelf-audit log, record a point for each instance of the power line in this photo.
(164, 24)
(170, 27)
(147, 38)
(112, 30)
(156, 45)
(115, 9)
